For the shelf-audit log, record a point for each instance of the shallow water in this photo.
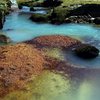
(24, 29)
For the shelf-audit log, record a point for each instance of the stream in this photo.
(51, 86)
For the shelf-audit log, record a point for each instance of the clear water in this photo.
(24, 29)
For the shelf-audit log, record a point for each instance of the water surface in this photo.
(24, 29)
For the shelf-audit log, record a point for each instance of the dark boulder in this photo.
(2, 19)
(52, 3)
(97, 20)
(87, 9)
(86, 51)
(32, 9)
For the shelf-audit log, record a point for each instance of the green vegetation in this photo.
(72, 2)
(47, 86)
(59, 14)
(54, 53)
(4, 9)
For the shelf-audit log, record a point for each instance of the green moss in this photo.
(47, 86)
(59, 14)
(39, 17)
(72, 2)
(54, 52)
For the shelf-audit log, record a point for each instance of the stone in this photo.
(86, 51)
(4, 39)
(97, 20)
(59, 41)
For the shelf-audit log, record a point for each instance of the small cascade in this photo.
(14, 5)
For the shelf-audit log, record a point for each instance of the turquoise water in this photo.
(21, 28)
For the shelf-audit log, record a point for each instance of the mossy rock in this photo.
(86, 51)
(39, 17)
(59, 15)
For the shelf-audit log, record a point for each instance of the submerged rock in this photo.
(4, 39)
(87, 51)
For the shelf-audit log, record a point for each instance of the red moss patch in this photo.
(54, 41)
(17, 64)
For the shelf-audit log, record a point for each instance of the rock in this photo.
(39, 17)
(18, 63)
(20, 6)
(54, 41)
(86, 9)
(97, 20)
(4, 39)
(2, 19)
(67, 20)
(32, 9)
(86, 51)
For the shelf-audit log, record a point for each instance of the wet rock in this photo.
(32, 9)
(54, 41)
(87, 9)
(39, 18)
(4, 39)
(2, 19)
(87, 51)
(97, 20)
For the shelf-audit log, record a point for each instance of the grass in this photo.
(71, 2)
